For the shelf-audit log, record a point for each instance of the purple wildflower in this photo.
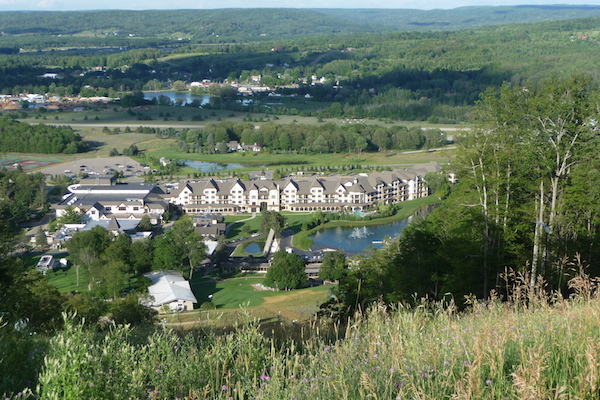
(488, 382)
(224, 387)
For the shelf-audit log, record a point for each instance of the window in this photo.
(122, 208)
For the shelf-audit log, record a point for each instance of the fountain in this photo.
(360, 233)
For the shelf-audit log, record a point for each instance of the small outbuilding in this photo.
(170, 291)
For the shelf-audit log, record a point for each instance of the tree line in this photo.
(20, 137)
(526, 204)
(322, 138)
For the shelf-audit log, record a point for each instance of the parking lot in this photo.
(99, 166)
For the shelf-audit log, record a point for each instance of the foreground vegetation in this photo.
(535, 346)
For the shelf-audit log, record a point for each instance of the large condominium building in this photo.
(331, 193)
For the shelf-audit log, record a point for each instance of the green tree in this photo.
(180, 248)
(40, 238)
(70, 216)
(334, 265)
(145, 224)
(272, 220)
(287, 271)
(141, 256)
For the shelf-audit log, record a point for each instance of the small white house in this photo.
(170, 289)
(45, 263)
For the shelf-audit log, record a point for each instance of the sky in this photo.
(71, 5)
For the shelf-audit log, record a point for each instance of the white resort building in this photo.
(102, 198)
(326, 193)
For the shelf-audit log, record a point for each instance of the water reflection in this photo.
(358, 239)
(204, 166)
(178, 98)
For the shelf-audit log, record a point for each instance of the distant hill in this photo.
(254, 24)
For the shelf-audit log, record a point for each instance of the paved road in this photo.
(133, 125)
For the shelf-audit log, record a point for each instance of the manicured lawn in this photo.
(236, 300)
(65, 280)
(237, 292)
(230, 293)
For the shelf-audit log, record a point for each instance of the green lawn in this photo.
(65, 280)
(236, 300)
(230, 293)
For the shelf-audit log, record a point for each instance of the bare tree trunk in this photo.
(537, 239)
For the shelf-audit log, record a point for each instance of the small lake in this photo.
(178, 97)
(358, 239)
(204, 166)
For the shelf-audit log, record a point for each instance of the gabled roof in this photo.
(169, 286)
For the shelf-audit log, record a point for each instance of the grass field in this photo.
(236, 299)
(65, 280)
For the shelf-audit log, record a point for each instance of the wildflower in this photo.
(265, 377)
(224, 387)
(467, 363)
(101, 372)
(91, 384)
(158, 371)
(376, 355)
(446, 362)
(392, 370)
(327, 348)
(488, 382)
(81, 379)
(260, 390)
(175, 347)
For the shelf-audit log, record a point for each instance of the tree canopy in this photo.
(287, 271)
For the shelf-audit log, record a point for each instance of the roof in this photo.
(114, 224)
(169, 286)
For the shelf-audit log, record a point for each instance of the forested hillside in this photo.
(435, 76)
(527, 203)
(244, 25)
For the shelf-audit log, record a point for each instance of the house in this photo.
(170, 291)
(209, 228)
(45, 263)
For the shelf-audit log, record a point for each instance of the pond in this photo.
(204, 166)
(178, 97)
(254, 248)
(357, 239)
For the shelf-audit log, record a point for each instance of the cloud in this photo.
(46, 4)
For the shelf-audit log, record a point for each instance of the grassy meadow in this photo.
(538, 347)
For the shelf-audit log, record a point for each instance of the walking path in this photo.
(241, 220)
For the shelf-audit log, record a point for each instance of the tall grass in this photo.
(530, 348)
